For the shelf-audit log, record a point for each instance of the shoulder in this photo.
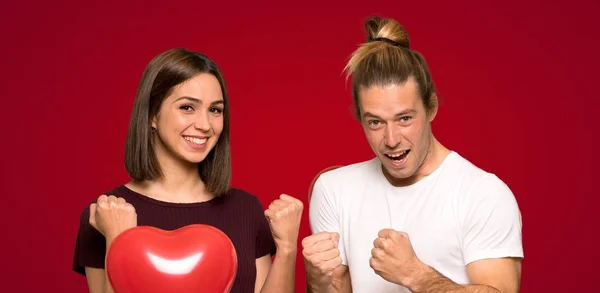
(241, 196)
(243, 201)
(478, 184)
(350, 181)
(350, 174)
(463, 169)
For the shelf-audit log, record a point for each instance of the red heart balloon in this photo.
(195, 258)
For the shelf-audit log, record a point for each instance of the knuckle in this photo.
(323, 270)
(309, 255)
(336, 251)
(331, 244)
(317, 262)
(308, 239)
(304, 242)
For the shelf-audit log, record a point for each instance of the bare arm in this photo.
(284, 216)
(340, 282)
(276, 277)
(502, 275)
(97, 278)
(110, 216)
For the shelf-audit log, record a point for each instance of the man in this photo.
(419, 217)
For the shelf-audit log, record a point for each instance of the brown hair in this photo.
(162, 74)
(385, 59)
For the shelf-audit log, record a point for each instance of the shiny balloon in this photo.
(195, 258)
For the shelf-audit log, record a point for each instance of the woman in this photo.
(177, 154)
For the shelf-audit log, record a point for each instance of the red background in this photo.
(517, 78)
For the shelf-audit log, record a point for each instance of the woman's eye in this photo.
(186, 108)
(216, 110)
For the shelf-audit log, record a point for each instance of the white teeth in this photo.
(195, 140)
(396, 155)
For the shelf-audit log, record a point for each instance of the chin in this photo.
(403, 172)
(192, 158)
(196, 159)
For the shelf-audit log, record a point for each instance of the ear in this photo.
(434, 107)
(154, 121)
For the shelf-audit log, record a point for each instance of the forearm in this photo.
(327, 289)
(282, 276)
(428, 280)
(312, 287)
(107, 287)
(339, 282)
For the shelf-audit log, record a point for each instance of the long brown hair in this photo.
(162, 74)
(386, 58)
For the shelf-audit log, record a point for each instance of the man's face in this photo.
(397, 127)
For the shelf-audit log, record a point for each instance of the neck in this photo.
(433, 159)
(180, 183)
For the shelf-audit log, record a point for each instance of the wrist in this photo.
(109, 240)
(417, 276)
(286, 248)
(317, 285)
(316, 281)
(286, 251)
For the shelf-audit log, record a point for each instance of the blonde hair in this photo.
(385, 59)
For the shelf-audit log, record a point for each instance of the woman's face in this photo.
(190, 119)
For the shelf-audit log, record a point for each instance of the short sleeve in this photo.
(265, 244)
(324, 214)
(492, 223)
(90, 246)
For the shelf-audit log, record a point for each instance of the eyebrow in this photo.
(219, 102)
(407, 111)
(189, 99)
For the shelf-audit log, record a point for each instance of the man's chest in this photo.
(431, 223)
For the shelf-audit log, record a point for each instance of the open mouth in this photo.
(399, 157)
(195, 140)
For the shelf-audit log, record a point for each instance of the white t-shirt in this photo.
(456, 215)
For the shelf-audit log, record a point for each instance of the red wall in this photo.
(518, 82)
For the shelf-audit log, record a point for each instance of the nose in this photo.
(391, 136)
(202, 122)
